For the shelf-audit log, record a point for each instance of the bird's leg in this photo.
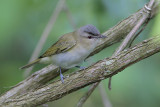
(80, 67)
(61, 75)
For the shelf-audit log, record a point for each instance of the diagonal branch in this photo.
(70, 17)
(131, 36)
(43, 76)
(77, 80)
(106, 102)
(87, 94)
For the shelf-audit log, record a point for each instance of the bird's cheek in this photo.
(96, 41)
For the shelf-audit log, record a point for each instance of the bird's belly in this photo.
(71, 58)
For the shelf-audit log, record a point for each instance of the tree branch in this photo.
(105, 100)
(70, 17)
(43, 76)
(77, 80)
(131, 36)
(87, 94)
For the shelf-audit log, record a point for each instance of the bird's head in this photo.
(90, 32)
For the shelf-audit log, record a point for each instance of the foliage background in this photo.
(22, 23)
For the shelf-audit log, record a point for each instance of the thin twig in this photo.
(128, 38)
(70, 17)
(131, 35)
(109, 83)
(144, 26)
(103, 93)
(45, 34)
(84, 98)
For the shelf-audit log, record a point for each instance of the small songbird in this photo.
(71, 48)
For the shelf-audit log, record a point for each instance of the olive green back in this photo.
(64, 43)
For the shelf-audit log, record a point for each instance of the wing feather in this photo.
(62, 45)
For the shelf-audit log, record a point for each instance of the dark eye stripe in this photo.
(91, 33)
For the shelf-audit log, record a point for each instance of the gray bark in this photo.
(34, 91)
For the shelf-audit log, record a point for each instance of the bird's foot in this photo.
(61, 75)
(81, 67)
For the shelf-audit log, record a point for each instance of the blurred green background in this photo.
(23, 21)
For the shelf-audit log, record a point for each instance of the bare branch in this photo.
(48, 73)
(70, 17)
(95, 73)
(126, 41)
(86, 96)
(103, 93)
(131, 35)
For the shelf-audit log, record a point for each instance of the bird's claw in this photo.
(81, 67)
(61, 76)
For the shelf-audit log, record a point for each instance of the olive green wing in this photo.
(65, 43)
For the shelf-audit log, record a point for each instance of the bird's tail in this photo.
(30, 64)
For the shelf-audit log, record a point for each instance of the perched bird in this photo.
(71, 48)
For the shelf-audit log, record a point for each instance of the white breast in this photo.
(71, 58)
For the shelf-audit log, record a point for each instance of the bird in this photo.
(71, 49)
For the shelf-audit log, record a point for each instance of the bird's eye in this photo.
(89, 37)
